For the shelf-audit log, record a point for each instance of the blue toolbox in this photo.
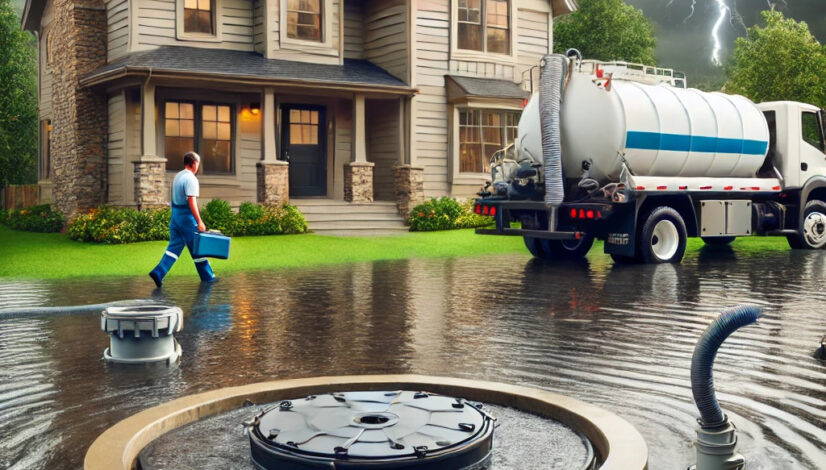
(210, 245)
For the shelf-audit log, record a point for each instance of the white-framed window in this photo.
(203, 127)
(483, 132)
(307, 25)
(483, 26)
(198, 20)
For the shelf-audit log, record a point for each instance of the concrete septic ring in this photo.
(619, 444)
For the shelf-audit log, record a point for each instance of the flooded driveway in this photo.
(620, 337)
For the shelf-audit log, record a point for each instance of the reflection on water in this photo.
(620, 337)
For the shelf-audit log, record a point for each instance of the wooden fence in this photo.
(19, 195)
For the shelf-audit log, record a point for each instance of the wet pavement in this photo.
(619, 337)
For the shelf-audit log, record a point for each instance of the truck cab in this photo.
(797, 148)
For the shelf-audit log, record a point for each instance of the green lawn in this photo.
(52, 256)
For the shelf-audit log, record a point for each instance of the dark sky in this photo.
(686, 45)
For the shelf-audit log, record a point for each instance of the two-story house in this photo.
(354, 100)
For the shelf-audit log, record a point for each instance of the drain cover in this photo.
(373, 430)
(142, 334)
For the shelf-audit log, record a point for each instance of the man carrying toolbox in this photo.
(185, 222)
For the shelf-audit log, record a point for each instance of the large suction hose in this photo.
(702, 381)
(551, 83)
(95, 309)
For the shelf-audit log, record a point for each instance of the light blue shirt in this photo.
(184, 185)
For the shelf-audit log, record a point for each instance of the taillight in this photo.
(485, 210)
(478, 208)
(573, 213)
(589, 214)
(493, 210)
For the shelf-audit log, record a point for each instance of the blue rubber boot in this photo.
(204, 270)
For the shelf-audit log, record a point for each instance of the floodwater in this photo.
(619, 337)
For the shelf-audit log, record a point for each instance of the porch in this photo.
(281, 130)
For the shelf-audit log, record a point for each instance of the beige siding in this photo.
(259, 26)
(117, 14)
(385, 35)
(116, 154)
(46, 78)
(383, 145)
(430, 119)
(353, 30)
(132, 145)
(343, 145)
(533, 40)
(157, 25)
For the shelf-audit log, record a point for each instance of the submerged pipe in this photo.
(551, 84)
(702, 381)
(14, 312)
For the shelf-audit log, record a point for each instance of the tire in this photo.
(812, 234)
(535, 246)
(718, 241)
(663, 237)
(568, 249)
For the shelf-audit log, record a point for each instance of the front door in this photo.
(303, 145)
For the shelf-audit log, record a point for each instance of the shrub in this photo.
(218, 215)
(3, 216)
(120, 225)
(445, 214)
(40, 218)
(123, 225)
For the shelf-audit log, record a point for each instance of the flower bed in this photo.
(445, 214)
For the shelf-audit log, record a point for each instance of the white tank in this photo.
(660, 130)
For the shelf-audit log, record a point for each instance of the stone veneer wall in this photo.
(409, 184)
(80, 120)
(358, 181)
(273, 182)
(150, 183)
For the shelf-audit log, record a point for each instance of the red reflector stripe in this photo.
(683, 188)
(728, 188)
(705, 187)
(640, 188)
(662, 188)
(776, 188)
(755, 188)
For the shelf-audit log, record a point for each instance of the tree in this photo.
(607, 30)
(781, 61)
(18, 100)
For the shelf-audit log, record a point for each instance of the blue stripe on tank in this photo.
(687, 143)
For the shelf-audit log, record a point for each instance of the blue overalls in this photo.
(182, 229)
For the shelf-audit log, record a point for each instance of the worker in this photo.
(185, 222)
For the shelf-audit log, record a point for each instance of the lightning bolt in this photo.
(690, 15)
(715, 32)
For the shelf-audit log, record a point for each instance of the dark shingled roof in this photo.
(488, 87)
(230, 64)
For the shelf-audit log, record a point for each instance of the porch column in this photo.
(408, 180)
(273, 185)
(358, 174)
(150, 168)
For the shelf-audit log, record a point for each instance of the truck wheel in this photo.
(569, 249)
(812, 234)
(535, 246)
(718, 241)
(663, 237)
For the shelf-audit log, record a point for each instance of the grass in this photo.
(55, 256)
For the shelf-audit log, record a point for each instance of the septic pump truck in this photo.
(646, 163)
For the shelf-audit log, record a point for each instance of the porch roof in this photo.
(247, 67)
(471, 87)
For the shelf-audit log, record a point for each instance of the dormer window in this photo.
(304, 20)
(198, 17)
(484, 25)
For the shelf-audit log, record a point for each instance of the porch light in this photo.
(255, 109)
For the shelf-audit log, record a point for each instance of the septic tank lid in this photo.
(392, 429)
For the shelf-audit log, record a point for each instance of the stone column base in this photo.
(150, 182)
(358, 181)
(409, 186)
(273, 182)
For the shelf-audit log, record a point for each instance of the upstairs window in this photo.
(484, 25)
(812, 132)
(198, 17)
(481, 134)
(201, 127)
(304, 20)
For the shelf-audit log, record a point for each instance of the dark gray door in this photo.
(303, 144)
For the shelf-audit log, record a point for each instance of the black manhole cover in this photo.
(373, 430)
